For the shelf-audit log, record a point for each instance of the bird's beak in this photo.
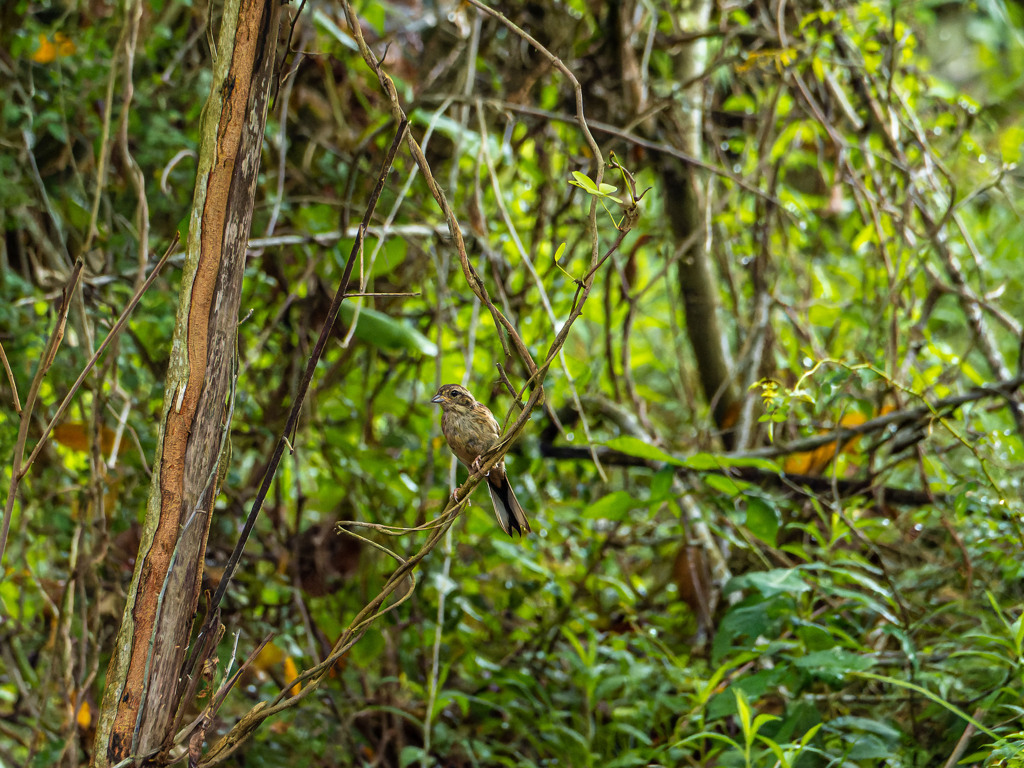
(438, 398)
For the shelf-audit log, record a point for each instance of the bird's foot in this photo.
(475, 466)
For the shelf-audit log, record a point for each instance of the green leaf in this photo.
(745, 621)
(779, 581)
(661, 484)
(833, 663)
(762, 519)
(743, 709)
(706, 461)
(613, 506)
(411, 756)
(702, 461)
(589, 186)
(325, 22)
(867, 725)
(456, 131)
(725, 485)
(385, 332)
(633, 446)
(585, 182)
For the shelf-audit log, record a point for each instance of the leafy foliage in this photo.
(810, 598)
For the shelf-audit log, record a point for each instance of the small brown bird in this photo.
(471, 431)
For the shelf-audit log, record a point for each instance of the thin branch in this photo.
(374, 609)
(52, 345)
(11, 380)
(808, 485)
(300, 395)
(111, 336)
(936, 409)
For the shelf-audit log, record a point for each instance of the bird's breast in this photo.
(468, 433)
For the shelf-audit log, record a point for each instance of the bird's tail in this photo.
(506, 506)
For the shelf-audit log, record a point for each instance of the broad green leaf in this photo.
(661, 484)
(866, 724)
(834, 663)
(780, 581)
(589, 186)
(411, 755)
(632, 446)
(762, 519)
(325, 21)
(385, 332)
(724, 484)
(717, 461)
(584, 181)
(612, 506)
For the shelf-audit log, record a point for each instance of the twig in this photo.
(300, 395)
(374, 609)
(637, 140)
(804, 484)
(1002, 389)
(52, 345)
(11, 381)
(111, 336)
(965, 738)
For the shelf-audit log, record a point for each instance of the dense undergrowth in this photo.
(851, 603)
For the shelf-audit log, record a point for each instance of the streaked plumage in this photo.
(471, 430)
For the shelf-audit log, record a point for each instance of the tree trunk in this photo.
(685, 205)
(145, 684)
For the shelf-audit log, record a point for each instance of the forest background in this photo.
(765, 385)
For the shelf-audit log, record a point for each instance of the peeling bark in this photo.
(145, 685)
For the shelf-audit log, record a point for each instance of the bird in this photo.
(471, 431)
